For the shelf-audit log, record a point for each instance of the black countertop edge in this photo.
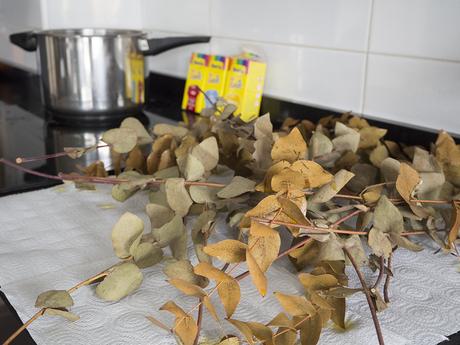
(164, 97)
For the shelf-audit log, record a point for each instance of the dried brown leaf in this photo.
(329, 190)
(239, 185)
(290, 147)
(207, 152)
(258, 277)
(295, 305)
(177, 196)
(126, 234)
(122, 140)
(287, 179)
(121, 281)
(264, 244)
(313, 173)
(229, 251)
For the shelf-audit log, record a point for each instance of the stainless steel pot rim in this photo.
(91, 32)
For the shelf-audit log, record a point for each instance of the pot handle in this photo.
(27, 40)
(154, 46)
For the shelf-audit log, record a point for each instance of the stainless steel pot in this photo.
(94, 73)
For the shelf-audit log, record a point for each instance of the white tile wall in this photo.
(173, 62)
(91, 13)
(177, 15)
(16, 16)
(393, 59)
(304, 74)
(414, 91)
(338, 24)
(425, 28)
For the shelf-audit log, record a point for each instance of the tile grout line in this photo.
(366, 59)
(297, 45)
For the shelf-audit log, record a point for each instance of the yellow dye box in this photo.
(193, 99)
(207, 73)
(216, 78)
(244, 86)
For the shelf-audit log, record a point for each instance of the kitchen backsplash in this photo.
(396, 60)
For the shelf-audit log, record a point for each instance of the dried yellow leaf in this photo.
(295, 305)
(258, 277)
(229, 251)
(287, 179)
(313, 173)
(290, 147)
(264, 244)
(184, 326)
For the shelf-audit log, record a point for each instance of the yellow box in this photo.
(216, 78)
(193, 99)
(244, 86)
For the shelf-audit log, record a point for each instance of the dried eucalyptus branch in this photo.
(368, 296)
(42, 311)
(73, 152)
(186, 162)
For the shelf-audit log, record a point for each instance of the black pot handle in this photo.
(26, 40)
(154, 46)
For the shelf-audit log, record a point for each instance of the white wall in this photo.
(397, 60)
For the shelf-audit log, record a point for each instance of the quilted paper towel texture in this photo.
(54, 238)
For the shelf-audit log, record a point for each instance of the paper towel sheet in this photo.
(55, 238)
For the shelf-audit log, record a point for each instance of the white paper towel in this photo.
(55, 238)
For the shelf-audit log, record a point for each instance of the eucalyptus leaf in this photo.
(319, 145)
(203, 194)
(159, 196)
(170, 172)
(191, 167)
(239, 185)
(329, 190)
(177, 196)
(168, 232)
(356, 250)
(126, 234)
(346, 138)
(183, 269)
(147, 254)
(207, 152)
(125, 190)
(54, 299)
(62, 313)
(121, 281)
(200, 233)
(159, 215)
(143, 137)
(163, 128)
(122, 139)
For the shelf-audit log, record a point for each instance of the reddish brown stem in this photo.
(345, 218)
(42, 311)
(386, 286)
(368, 296)
(326, 230)
(21, 160)
(381, 272)
(29, 171)
(198, 322)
